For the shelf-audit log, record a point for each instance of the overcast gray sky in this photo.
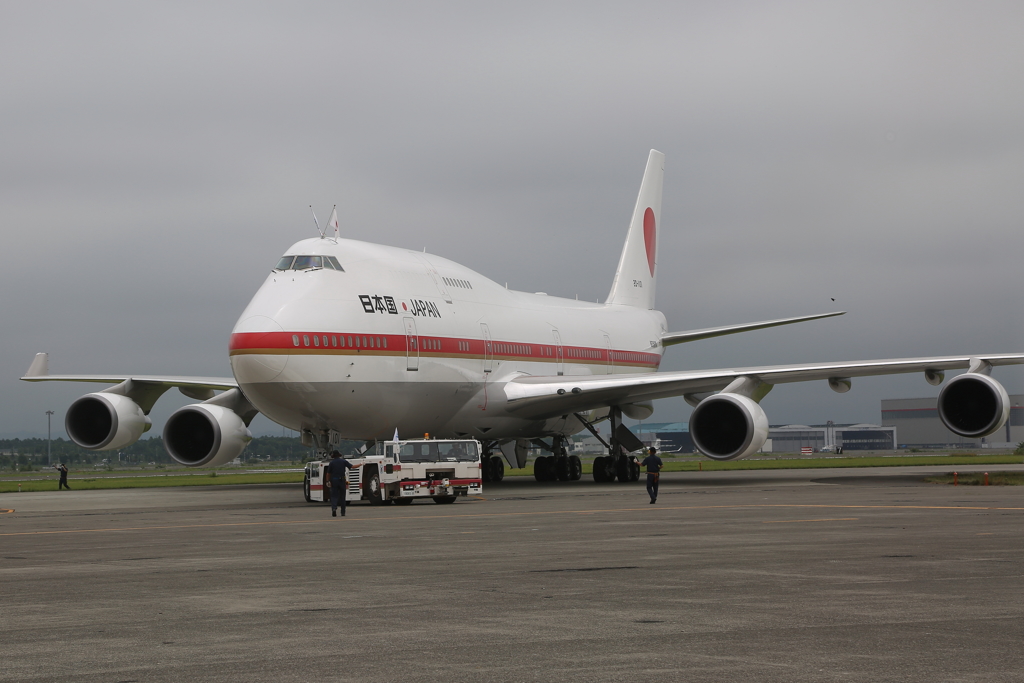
(157, 158)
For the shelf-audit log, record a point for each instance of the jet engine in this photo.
(973, 405)
(205, 434)
(105, 421)
(728, 426)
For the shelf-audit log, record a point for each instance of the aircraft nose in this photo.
(257, 351)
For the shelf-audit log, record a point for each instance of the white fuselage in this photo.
(411, 341)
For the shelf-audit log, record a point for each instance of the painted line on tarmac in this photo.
(796, 521)
(515, 514)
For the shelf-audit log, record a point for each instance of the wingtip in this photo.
(40, 366)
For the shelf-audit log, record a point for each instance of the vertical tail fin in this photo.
(634, 278)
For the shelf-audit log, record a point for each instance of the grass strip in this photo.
(978, 479)
(89, 483)
(815, 463)
(219, 479)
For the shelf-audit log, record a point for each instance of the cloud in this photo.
(159, 158)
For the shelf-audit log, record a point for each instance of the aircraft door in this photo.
(559, 367)
(412, 346)
(488, 350)
(608, 350)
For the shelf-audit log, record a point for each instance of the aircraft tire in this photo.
(562, 469)
(634, 470)
(575, 468)
(497, 468)
(599, 469)
(551, 468)
(305, 489)
(540, 468)
(486, 469)
(622, 469)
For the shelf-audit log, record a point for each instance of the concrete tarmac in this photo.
(809, 575)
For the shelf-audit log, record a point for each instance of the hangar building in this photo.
(917, 420)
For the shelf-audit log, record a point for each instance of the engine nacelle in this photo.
(973, 405)
(728, 427)
(105, 422)
(204, 434)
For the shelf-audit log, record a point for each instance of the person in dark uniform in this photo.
(653, 464)
(336, 477)
(63, 483)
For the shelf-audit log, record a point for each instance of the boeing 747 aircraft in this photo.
(351, 340)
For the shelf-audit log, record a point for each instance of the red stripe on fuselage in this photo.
(428, 346)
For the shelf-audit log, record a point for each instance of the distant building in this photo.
(674, 437)
(668, 437)
(919, 425)
(855, 437)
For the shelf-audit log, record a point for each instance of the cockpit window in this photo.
(308, 263)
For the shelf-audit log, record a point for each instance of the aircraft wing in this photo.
(147, 388)
(543, 397)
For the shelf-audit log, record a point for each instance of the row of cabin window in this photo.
(339, 341)
(513, 349)
(585, 353)
(453, 282)
(635, 357)
(308, 263)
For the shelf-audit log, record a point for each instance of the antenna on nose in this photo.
(316, 221)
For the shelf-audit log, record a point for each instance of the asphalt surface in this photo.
(812, 575)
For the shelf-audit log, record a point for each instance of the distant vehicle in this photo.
(402, 471)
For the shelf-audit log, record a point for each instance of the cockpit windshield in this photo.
(308, 263)
(440, 451)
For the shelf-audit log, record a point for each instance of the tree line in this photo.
(24, 453)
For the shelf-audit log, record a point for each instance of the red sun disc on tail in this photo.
(650, 237)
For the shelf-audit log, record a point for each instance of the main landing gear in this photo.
(559, 466)
(618, 464)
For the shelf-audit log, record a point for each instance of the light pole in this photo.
(49, 414)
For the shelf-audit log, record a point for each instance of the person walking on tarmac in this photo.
(338, 482)
(653, 464)
(63, 483)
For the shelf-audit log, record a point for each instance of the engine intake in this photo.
(728, 427)
(105, 422)
(973, 405)
(205, 434)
